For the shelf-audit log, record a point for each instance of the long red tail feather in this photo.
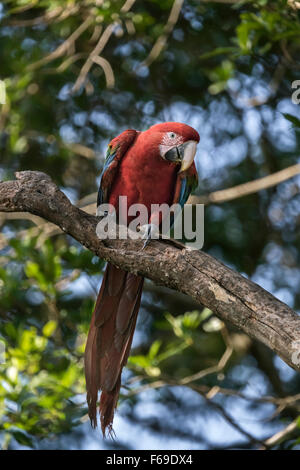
(109, 341)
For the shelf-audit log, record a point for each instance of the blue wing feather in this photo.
(184, 192)
(117, 148)
(108, 160)
(187, 185)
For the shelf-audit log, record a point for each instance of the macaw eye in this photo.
(172, 135)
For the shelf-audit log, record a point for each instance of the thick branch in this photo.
(228, 294)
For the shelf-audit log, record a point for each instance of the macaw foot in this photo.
(101, 213)
(149, 231)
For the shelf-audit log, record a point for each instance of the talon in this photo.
(149, 231)
(146, 242)
(101, 213)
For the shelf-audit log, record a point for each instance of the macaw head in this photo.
(175, 142)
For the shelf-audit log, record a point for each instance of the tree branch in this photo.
(103, 40)
(228, 294)
(88, 203)
(245, 189)
(281, 435)
(162, 39)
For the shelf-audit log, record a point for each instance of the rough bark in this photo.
(227, 293)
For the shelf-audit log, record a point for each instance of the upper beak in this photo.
(184, 154)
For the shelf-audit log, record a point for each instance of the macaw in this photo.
(151, 167)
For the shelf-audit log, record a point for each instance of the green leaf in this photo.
(293, 119)
(218, 51)
(23, 438)
(49, 328)
(154, 349)
(140, 361)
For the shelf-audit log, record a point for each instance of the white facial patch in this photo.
(170, 140)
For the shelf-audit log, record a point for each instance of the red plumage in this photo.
(139, 172)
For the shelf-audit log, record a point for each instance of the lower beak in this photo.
(184, 154)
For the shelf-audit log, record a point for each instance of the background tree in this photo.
(77, 74)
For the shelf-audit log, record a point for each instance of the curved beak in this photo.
(184, 154)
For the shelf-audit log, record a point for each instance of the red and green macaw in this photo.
(151, 167)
